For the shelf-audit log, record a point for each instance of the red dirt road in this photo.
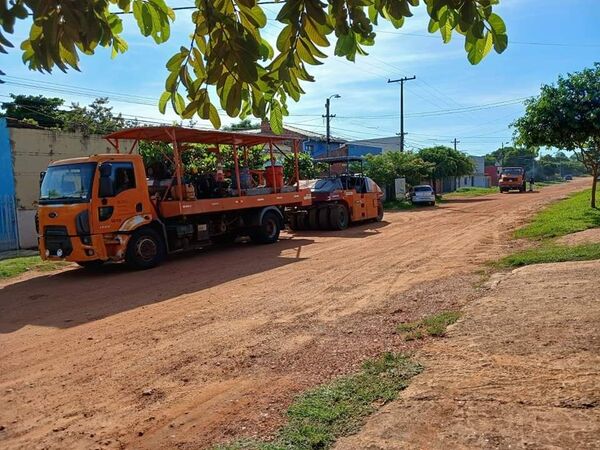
(214, 345)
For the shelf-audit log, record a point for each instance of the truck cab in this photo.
(512, 178)
(88, 207)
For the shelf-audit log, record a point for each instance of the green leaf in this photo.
(178, 103)
(162, 102)
(497, 24)
(481, 48)
(433, 26)
(213, 116)
(276, 117)
(174, 63)
(500, 42)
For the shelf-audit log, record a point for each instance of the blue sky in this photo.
(546, 38)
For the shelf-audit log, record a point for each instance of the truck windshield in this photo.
(512, 171)
(67, 183)
(327, 185)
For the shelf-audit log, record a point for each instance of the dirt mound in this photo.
(591, 236)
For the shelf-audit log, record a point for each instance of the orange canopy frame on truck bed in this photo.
(181, 135)
(193, 136)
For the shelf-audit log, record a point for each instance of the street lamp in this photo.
(329, 116)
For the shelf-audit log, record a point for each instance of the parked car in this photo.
(422, 194)
(568, 177)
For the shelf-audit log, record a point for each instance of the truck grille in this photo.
(56, 237)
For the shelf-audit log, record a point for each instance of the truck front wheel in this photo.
(268, 230)
(338, 217)
(146, 249)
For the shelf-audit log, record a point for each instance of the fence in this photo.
(9, 235)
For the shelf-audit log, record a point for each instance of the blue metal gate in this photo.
(9, 233)
(9, 236)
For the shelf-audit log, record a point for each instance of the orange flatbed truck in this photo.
(110, 207)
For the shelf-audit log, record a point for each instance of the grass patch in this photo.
(430, 326)
(397, 205)
(549, 253)
(471, 192)
(564, 217)
(16, 266)
(320, 416)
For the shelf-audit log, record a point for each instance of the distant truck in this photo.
(512, 179)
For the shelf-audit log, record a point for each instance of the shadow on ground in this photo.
(78, 296)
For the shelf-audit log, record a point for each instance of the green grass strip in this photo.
(563, 217)
(397, 205)
(551, 253)
(16, 266)
(433, 325)
(320, 416)
(472, 192)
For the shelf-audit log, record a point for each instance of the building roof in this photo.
(295, 132)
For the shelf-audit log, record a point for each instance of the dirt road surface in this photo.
(214, 345)
(521, 370)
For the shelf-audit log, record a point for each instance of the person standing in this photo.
(531, 182)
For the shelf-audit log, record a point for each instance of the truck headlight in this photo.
(59, 252)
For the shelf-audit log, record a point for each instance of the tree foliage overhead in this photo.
(566, 115)
(227, 49)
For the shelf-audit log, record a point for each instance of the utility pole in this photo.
(401, 81)
(455, 141)
(328, 117)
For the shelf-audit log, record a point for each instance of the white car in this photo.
(422, 195)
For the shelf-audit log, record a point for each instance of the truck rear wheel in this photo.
(324, 218)
(313, 218)
(379, 217)
(146, 249)
(338, 218)
(268, 231)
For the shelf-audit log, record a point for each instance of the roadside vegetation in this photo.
(16, 266)
(322, 415)
(471, 192)
(397, 205)
(551, 253)
(430, 326)
(564, 217)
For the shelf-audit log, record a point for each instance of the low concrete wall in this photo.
(26, 224)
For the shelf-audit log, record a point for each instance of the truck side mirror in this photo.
(42, 175)
(106, 184)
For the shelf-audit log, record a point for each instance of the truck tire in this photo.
(268, 230)
(338, 218)
(324, 218)
(293, 222)
(379, 217)
(146, 249)
(313, 219)
(301, 222)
